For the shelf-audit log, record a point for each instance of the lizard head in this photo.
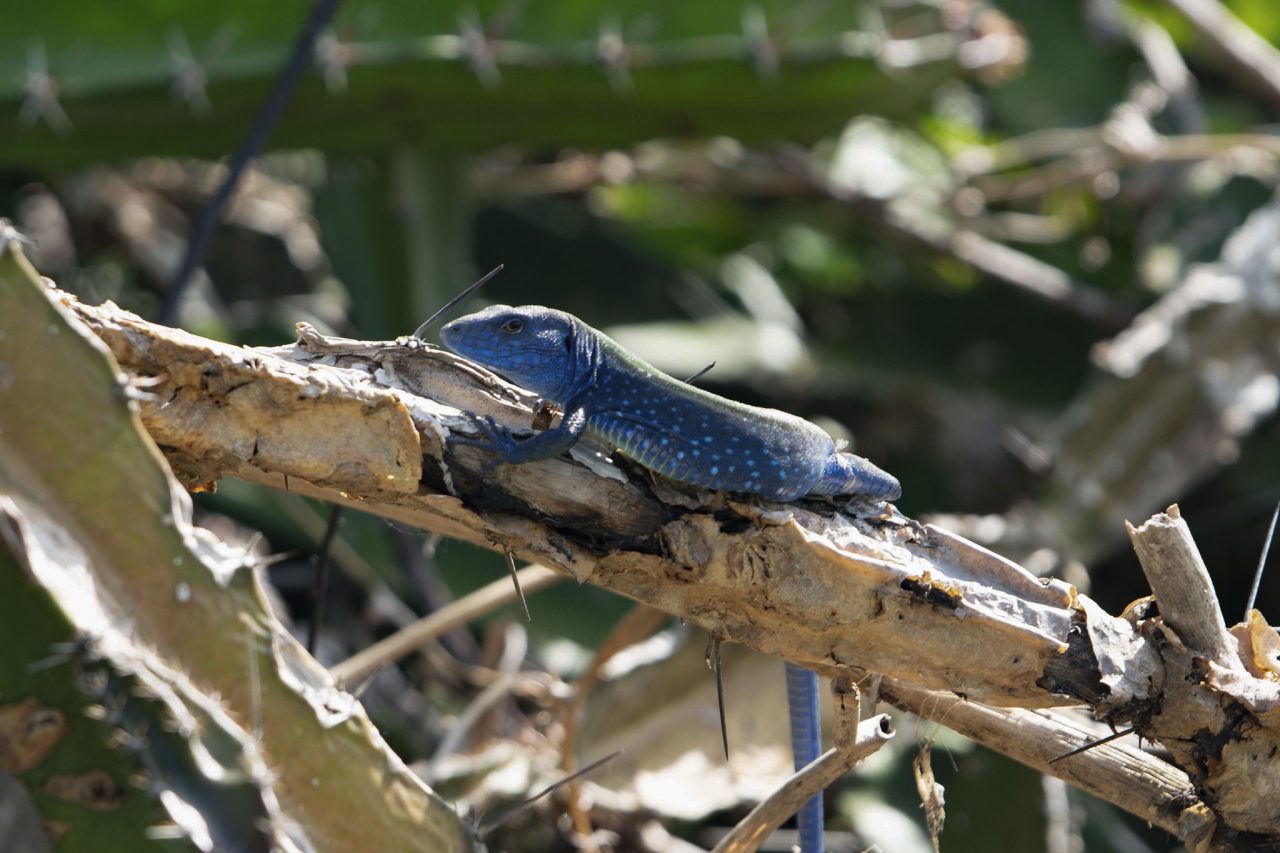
(530, 345)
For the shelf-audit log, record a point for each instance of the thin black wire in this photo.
(490, 825)
(264, 122)
(430, 321)
(1262, 564)
(699, 374)
(320, 583)
(713, 643)
(1093, 744)
(515, 581)
(713, 661)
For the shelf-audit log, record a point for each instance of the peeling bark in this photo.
(843, 590)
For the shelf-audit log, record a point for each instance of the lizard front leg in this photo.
(544, 445)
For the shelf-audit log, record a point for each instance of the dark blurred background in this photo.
(1021, 254)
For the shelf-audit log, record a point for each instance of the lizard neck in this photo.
(586, 359)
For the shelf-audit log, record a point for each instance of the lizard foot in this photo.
(493, 436)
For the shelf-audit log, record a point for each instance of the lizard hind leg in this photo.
(846, 474)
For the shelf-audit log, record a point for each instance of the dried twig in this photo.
(1182, 586)
(854, 742)
(639, 623)
(465, 609)
(1120, 774)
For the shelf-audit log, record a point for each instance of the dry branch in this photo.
(1137, 781)
(845, 593)
(875, 593)
(854, 743)
(1182, 586)
(413, 637)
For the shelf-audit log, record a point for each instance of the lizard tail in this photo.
(806, 733)
(847, 474)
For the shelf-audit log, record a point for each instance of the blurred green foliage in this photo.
(435, 141)
(138, 79)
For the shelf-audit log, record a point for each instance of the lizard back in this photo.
(693, 436)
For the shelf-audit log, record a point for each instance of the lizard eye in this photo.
(512, 326)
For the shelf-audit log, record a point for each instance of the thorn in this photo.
(190, 80)
(80, 647)
(478, 50)
(613, 55)
(40, 93)
(149, 381)
(255, 687)
(336, 52)
(251, 548)
(703, 372)
(1262, 563)
(271, 559)
(363, 686)
(1092, 744)
(421, 330)
(762, 48)
(9, 234)
(515, 579)
(489, 826)
(333, 57)
(714, 662)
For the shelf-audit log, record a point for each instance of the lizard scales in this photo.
(680, 431)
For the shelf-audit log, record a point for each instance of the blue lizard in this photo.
(682, 432)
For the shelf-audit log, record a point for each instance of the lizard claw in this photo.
(493, 436)
(498, 435)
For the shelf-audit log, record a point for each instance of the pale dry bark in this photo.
(846, 594)
(1140, 783)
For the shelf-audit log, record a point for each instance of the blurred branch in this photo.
(1175, 394)
(840, 593)
(638, 624)
(1086, 155)
(412, 637)
(1255, 61)
(1169, 71)
(793, 175)
(255, 139)
(1017, 269)
(1195, 373)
